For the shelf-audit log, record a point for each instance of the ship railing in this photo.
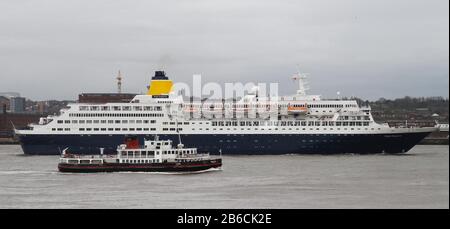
(136, 157)
(96, 156)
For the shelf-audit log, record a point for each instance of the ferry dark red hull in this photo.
(151, 167)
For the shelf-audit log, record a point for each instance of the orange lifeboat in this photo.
(297, 108)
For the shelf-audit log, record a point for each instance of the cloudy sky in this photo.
(370, 49)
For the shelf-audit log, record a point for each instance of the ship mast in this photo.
(180, 144)
(302, 84)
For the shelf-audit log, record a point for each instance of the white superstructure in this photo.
(167, 114)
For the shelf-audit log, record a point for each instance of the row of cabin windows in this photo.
(327, 105)
(353, 118)
(180, 129)
(176, 152)
(180, 123)
(115, 115)
(105, 121)
(227, 106)
(60, 129)
(141, 161)
(138, 153)
(212, 106)
(289, 123)
(106, 129)
(264, 129)
(172, 129)
(152, 153)
(120, 108)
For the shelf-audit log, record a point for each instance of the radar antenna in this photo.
(302, 83)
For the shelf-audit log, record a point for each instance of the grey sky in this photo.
(370, 49)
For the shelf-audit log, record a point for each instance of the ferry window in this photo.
(153, 129)
(131, 129)
(125, 129)
(110, 121)
(126, 108)
(138, 121)
(310, 123)
(81, 129)
(117, 121)
(96, 121)
(165, 129)
(95, 129)
(74, 121)
(131, 121)
(124, 121)
(317, 123)
(105, 108)
(60, 121)
(186, 123)
(110, 129)
(103, 121)
(89, 121)
(138, 108)
(88, 129)
(117, 129)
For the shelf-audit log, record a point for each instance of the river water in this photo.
(417, 179)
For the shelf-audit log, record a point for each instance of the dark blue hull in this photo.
(235, 144)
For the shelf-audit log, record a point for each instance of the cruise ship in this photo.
(254, 124)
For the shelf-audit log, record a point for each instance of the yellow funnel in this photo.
(160, 84)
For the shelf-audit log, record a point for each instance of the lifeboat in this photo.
(297, 108)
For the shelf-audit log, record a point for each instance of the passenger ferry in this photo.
(155, 156)
(296, 124)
